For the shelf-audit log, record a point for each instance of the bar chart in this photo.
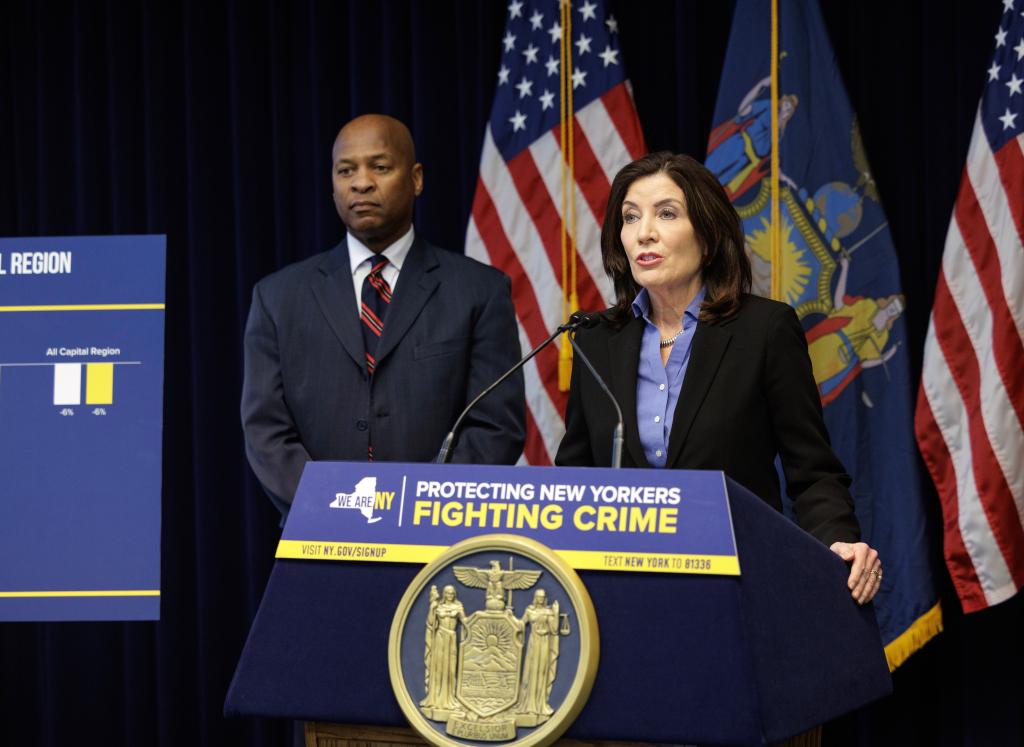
(77, 383)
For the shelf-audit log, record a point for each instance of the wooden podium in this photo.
(326, 734)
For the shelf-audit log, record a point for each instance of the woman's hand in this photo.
(865, 571)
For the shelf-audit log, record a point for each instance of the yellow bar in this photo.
(116, 593)
(589, 560)
(652, 562)
(358, 551)
(99, 383)
(89, 307)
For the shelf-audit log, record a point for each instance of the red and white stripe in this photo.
(970, 408)
(516, 225)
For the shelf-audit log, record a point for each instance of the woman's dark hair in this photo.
(725, 267)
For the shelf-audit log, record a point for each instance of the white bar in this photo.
(67, 383)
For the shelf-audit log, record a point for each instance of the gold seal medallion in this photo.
(494, 641)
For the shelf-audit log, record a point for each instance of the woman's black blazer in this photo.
(749, 394)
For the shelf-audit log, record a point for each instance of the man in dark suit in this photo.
(371, 350)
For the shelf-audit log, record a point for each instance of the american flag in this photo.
(517, 222)
(970, 407)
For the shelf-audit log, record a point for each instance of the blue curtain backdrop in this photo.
(212, 122)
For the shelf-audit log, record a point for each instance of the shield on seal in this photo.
(490, 659)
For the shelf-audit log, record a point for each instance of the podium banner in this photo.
(661, 521)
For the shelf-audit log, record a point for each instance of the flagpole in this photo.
(775, 236)
(570, 301)
(563, 102)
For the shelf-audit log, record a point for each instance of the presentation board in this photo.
(81, 418)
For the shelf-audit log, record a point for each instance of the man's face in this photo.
(375, 183)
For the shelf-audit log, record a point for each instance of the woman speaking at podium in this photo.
(707, 375)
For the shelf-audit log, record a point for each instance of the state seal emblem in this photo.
(494, 641)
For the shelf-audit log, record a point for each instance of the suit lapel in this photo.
(709, 344)
(332, 287)
(416, 283)
(624, 353)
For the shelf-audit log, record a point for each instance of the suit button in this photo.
(362, 425)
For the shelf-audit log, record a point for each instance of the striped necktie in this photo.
(376, 295)
(373, 307)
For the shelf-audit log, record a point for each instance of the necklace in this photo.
(670, 341)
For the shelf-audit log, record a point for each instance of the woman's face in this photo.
(662, 247)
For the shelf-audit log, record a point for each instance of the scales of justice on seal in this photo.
(470, 661)
(493, 690)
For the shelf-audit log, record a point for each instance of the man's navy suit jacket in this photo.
(450, 331)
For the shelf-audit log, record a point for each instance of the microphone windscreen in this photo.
(584, 320)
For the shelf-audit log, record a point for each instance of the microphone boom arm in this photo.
(449, 441)
(577, 320)
(617, 434)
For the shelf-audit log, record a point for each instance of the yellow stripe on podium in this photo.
(365, 551)
(652, 562)
(587, 560)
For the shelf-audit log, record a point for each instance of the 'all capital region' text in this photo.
(82, 352)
